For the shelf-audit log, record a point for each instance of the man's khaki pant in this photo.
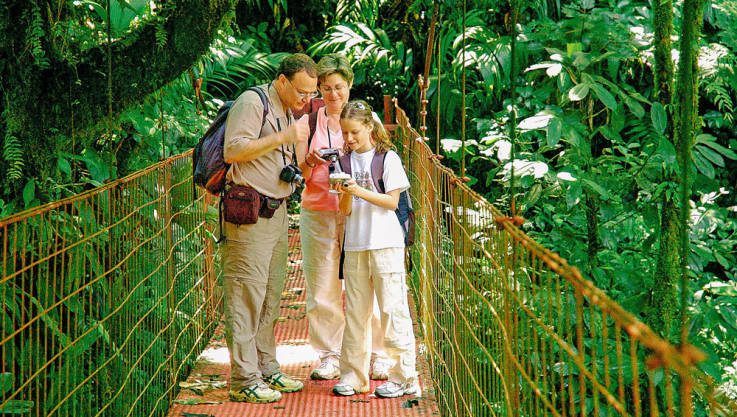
(321, 233)
(380, 271)
(255, 261)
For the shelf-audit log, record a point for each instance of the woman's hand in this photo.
(313, 159)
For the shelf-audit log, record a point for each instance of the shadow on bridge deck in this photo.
(297, 358)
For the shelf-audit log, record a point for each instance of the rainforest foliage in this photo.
(89, 95)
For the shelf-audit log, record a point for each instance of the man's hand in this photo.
(298, 132)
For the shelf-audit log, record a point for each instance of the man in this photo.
(255, 255)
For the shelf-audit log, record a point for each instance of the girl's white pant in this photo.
(321, 234)
(379, 272)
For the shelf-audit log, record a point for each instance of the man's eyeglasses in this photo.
(339, 89)
(303, 95)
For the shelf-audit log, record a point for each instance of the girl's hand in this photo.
(349, 187)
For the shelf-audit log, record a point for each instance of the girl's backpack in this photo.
(405, 213)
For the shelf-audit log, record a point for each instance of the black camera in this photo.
(292, 174)
(329, 154)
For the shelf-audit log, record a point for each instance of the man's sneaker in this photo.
(380, 368)
(392, 389)
(327, 370)
(341, 388)
(255, 393)
(282, 382)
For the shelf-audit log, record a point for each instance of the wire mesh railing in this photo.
(511, 329)
(107, 297)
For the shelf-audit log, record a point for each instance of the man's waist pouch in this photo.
(244, 205)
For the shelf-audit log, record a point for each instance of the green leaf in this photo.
(722, 260)
(596, 188)
(658, 116)
(537, 121)
(578, 92)
(604, 95)
(709, 154)
(710, 141)
(64, 166)
(610, 134)
(555, 128)
(581, 60)
(573, 194)
(196, 402)
(703, 165)
(17, 407)
(572, 48)
(572, 136)
(722, 288)
(29, 192)
(666, 151)
(6, 382)
(635, 107)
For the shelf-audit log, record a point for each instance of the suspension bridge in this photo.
(109, 297)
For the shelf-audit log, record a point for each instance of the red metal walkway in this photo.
(297, 358)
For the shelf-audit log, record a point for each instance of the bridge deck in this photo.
(297, 358)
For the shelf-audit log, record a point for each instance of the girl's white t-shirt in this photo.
(370, 226)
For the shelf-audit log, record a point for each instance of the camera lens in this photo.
(292, 174)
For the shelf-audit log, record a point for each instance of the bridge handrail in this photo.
(512, 329)
(107, 297)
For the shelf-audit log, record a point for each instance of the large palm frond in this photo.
(234, 65)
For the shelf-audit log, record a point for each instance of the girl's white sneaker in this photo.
(341, 388)
(392, 389)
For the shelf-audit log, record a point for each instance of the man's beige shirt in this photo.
(243, 126)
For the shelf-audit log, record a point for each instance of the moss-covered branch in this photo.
(139, 65)
(51, 86)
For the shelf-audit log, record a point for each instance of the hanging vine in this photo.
(13, 155)
(35, 35)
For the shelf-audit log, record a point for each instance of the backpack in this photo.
(405, 213)
(208, 163)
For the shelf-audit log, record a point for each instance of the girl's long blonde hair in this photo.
(361, 112)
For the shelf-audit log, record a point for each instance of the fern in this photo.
(13, 155)
(719, 95)
(34, 37)
(719, 78)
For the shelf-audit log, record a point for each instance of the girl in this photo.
(374, 259)
(321, 230)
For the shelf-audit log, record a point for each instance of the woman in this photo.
(322, 229)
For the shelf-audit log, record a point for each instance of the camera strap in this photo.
(283, 154)
(294, 149)
(327, 125)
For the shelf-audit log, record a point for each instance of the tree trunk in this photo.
(687, 111)
(661, 312)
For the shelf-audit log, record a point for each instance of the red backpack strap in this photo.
(377, 171)
(312, 122)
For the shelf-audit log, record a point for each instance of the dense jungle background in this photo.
(88, 96)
